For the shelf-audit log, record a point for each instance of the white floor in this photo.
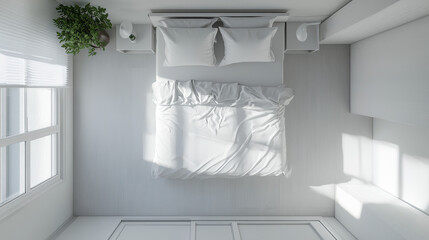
(203, 228)
(318, 117)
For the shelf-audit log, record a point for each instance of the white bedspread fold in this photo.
(209, 129)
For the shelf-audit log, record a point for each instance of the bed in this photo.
(221, 121)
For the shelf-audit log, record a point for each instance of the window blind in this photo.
(30, 53)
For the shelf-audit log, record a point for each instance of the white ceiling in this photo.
(137, 10)
(358, 20)
(358, 25)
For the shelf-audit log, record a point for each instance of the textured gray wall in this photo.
(41, 216)
(389, 75)
(114, 129)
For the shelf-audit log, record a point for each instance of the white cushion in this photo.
(247, 45)
(189, 46)
(188, 23)
(248, 22)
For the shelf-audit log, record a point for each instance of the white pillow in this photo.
(188, 23)
(189, 46)
(248, 22)
(247, 45)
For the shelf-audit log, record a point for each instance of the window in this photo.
(34, 77)
(29, 140)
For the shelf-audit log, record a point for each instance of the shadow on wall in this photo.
(370, 213)
(356, 213)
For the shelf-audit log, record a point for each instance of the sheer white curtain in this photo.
(30, 53)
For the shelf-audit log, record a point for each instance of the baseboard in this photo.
(61, 228)
(337, 229)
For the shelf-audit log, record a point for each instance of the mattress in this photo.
(208, 129)
(251, 74)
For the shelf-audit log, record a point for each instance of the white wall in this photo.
(39, 218)
(389, 80)
(114, 142)
(398, 164)
(389, 75)
(402, 162)
(396, 160)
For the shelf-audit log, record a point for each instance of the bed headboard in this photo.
(156, 17)
(249, 73)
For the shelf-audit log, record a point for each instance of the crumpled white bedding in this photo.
(210, 129)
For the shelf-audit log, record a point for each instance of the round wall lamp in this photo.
(126, 31)
(301, 31)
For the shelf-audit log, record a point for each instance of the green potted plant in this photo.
(82, 27)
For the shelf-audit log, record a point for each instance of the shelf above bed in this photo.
(158, 16)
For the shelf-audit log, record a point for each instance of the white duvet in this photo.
(208, 129)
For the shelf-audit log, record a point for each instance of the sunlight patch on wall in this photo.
(148, 147)
(326, 190)
(148, 135)
(149, 111)
(415, 172)
(349, 203)
(357, 156)
(386, 166)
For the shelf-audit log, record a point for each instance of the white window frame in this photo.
(30, 193)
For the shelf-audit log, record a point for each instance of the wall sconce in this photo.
(301, 31)
(126, 31)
